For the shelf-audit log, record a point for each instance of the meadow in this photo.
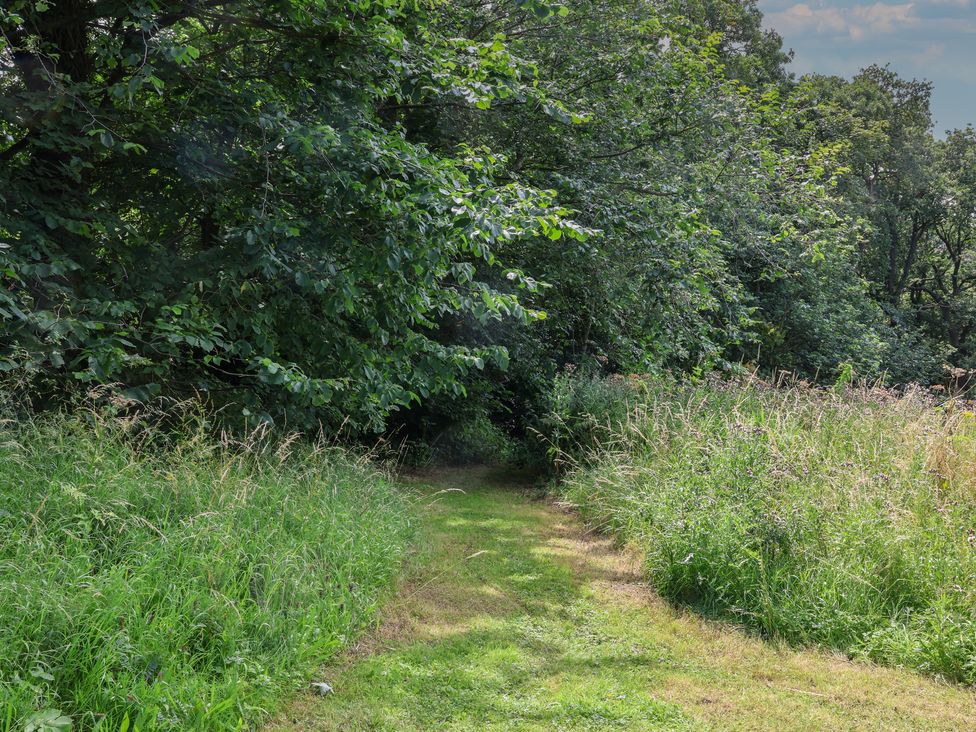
(154, 579)
(840, 517)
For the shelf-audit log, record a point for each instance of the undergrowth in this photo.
(844, 518)
(178, 583)
(471, 438)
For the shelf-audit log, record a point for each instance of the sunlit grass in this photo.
(514, 618)
(843, 518)
(179, 586)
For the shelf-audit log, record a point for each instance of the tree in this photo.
(720, 233)
(218, 196)
(944, 287)
(884, 124)
(890, 182)
(751, 54)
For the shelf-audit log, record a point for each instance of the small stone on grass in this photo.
(321, 688)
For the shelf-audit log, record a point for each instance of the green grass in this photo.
(510, 640)
(178, 587)
(513, 618)
(841, 519)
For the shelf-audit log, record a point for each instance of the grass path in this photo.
(544, 627)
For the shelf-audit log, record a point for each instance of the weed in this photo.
(156, 582)
(843, 517)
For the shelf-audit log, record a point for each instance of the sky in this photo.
(924, 39)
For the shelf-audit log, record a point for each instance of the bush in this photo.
(470, 439)
(585, 411)
(181, 587)
(838, 517)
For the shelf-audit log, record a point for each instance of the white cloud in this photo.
(861, 22)
(883, 18)
(801, 17)
(857, 22)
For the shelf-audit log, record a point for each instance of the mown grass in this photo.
(490, 632)
(841, 518)
(180, 586)
(515, 618)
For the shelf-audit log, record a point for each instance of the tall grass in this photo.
(179, 586)
(585, 410)
(842, 518)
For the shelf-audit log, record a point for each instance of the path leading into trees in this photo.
(515, 618)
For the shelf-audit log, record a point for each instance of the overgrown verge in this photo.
(844, 518)
(182, 586)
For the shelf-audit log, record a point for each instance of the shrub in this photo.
(844, 518)
(179, 587)
(469, 439)
(585, 411)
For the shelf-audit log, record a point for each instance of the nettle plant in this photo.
(222, 197)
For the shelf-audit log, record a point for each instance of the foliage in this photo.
(914, 195)
(943, 287)
(173, 582)
(722, 233)
(584, 409)
(222, 198)
(652, 289)
(839, 517)
(327, 212)
(469, 438)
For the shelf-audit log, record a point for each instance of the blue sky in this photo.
(924, 39)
